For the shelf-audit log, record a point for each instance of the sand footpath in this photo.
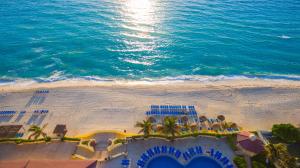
(88, 106)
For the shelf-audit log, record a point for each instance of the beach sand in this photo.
(89, 106)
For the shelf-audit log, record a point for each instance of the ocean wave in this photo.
(60, 77)
(138, 62)
(284, 37)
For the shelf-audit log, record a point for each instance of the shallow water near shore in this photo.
(149, 40)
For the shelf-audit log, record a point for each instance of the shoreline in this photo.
(234, 83)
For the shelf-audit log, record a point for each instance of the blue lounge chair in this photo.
(171, 150)
(192, 151)
(125, 163)
(150, 152)
(212, 151)
(156, 150)
(199, 150)
(140, 163)
(144, 157)
(218, 155)
(224, 160)
(164, 149)
(186, 156)
(177, 154)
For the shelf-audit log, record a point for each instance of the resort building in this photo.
(249, 143)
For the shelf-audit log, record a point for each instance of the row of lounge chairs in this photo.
(6, 116)
(168, 110)
(38, 98)
(20, 116)
(151, 152)
(42, 91)
(37, 117)
(172, 108)
(215, 154)
(169, 113)
(41, 111)
(188, 155)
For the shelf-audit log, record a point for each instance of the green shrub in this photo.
(286, 132)
(47, 139)
(119, 141)
(240, 162)
(231, 140)
(85, 142)
(256, 164)
(70, 139)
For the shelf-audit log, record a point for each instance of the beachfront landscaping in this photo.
(284, 147)
(174, 127)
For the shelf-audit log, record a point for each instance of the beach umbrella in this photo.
(203, 118)
(216, 126)
(221, 117)
(233, 125)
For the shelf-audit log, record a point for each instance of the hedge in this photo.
(47, 139)
(240, 162)
(70, 139)
(217, 135)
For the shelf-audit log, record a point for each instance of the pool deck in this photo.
(137, 147)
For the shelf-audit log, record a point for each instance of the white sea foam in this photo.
(38, 50)
(147, 63)
(284, 37)
(59, 76)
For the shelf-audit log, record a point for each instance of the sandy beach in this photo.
(89, 106)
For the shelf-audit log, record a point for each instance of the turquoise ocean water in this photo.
(50, 40)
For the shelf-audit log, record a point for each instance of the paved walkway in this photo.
(42, 151)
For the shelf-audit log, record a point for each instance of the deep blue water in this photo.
(168, 162)
(138, 39)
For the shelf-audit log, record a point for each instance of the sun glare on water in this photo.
(139, 21)
(139, 11)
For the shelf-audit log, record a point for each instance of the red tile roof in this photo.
(49, 164)
(252, 145)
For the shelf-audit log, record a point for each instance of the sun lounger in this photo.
(125, 163)
(156, 150)
(140, 163)
(218, 155)
(150, 152)
(171, 150)
(164, 149)
(177, 154)
(199, 150)
(144, 157)
(224, 160)
(186, 156)
(192, 152)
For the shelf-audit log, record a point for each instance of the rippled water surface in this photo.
(137, 39)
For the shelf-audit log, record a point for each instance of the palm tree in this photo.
(170, 127)
(202, 118)
(194, 128)
(146, 127)
(37, 131)
(278, 154)
(186, 124)
(186, 127)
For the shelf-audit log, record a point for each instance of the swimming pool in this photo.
(169, 162)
